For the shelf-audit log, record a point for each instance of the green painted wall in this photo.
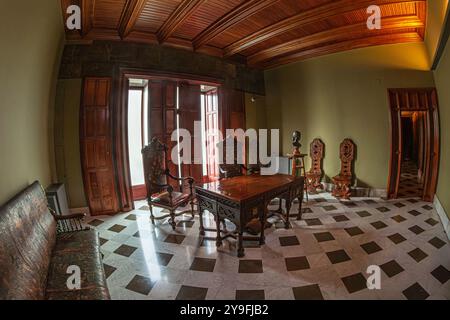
(255, 111)
(345, 95)
(442, 78)
(32, 36)
(436, 10)
(67, 145)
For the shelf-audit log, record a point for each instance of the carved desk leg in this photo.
(262, 211)
(288, 210)
(200, 215)
(218, 236)
(300, 205)
(240, 228)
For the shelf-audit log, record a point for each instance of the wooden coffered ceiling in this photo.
(262, 33)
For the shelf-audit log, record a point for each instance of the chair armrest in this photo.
(70, 223)
(71, 216)
(189, 180)
(181, 178)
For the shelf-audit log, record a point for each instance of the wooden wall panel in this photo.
(190, 112)
(163, 116)
(96, 147)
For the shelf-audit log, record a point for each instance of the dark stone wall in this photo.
(105, 58)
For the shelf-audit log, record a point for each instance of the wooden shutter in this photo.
(163, 117)
(155, 113)
(170, 122)
(96, 147)
(237, 110)
(190, 112)
(232, 111)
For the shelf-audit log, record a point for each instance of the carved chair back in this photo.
(347, 155)
(316, 154)
(154, 160)
(230, 170)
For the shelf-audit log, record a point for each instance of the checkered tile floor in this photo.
(409, 181)
(325, 256)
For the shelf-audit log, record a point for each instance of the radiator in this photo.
(57, 199)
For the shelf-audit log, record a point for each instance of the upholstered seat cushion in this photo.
(79, 249)
(77, 241)
(178, 198)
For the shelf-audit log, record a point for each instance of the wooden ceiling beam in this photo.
(130, 14)
(336, 34)
(314, 15)
(344, 46)
(178, 16)
(238, 14)
(87, 16)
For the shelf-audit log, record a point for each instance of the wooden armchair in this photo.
(234, 169)
(343, 181)
(160, 193)
(314, 175)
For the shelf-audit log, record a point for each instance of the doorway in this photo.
(137, 134)
(414, 146)
(158, 106)
(415, 141)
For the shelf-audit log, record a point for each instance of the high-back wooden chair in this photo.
(343, 181)
(161, 193)
(230, 170)
(314, 175)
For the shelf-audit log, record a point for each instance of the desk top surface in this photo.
(246, 187)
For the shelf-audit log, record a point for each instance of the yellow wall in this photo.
(442, 78)
(67, 140)
(255, 111)
(345, 95)
(435, 18)
(32, 35)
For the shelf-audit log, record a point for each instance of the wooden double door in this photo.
(103, 138)
(97, 148)
(169, 101)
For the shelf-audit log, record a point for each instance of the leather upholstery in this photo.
(28, 233)
(80, 249)
(177, 198)
(33, 256)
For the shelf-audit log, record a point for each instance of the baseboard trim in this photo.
(80, 210)
(442, 215)
(360, 192)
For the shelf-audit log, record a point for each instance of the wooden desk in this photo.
(234, 199)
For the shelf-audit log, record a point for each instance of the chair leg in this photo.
(172, 220)
(152, 217)
(280, 208)
(192, 209)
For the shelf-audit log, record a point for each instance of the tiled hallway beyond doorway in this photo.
(410, 186)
